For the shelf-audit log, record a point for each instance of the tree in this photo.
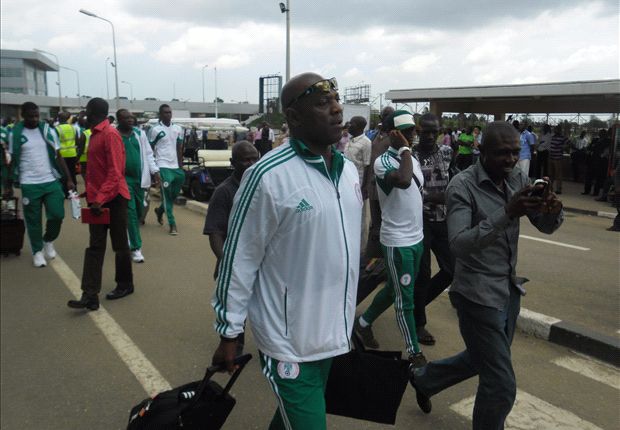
(219, 100)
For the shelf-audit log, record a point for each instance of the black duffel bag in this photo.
(203, 405)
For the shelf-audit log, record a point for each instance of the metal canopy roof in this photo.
(559, 97)
(39, 60)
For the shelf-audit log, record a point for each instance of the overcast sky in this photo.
(394, 44)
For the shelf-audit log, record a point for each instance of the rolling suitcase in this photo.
(203, 405)
(11, 228)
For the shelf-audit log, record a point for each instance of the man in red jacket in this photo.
(105, 188)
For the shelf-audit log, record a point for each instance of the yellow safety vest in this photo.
(84, 156)
(66, 133)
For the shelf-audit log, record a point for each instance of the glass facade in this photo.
(21, 76)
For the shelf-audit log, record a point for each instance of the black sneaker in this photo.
(366, 334)
(159, 213)
(86, 302)
(424, 401)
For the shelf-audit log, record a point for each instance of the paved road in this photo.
(60, 368)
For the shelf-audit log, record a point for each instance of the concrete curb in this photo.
(601, 214)
(560, 332)
(581, 339)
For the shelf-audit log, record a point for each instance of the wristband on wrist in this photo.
(403, 149)
(228, 339)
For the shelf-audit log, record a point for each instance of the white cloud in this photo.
(420, 63)
(352, 73)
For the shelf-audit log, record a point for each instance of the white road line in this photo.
(532, 413)
(566, 245)
(145, 372)
(592, 369)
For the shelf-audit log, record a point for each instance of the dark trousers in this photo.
(488, 334)
(596, 172)
(95, 253)
(426, 288)
(542, 164)
(577, 159)
(373, 246)
(263, 146)
(71, 163)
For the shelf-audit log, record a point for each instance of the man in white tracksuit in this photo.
(291, 259)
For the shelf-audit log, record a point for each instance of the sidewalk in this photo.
(574, 201)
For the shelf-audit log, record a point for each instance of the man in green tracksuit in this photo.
(36, 166)
(167, 141)
(139, 167)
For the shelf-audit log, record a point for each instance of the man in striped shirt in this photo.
(556, 156)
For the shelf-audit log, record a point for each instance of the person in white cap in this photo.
(399, 180)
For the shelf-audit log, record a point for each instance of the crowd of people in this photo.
(294, 276)
(289, 232)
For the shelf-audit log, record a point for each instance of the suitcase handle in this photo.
(240, 361)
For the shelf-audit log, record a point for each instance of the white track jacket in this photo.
(291, 258)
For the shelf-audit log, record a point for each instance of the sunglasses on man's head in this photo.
(324, 86)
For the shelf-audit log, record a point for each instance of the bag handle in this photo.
(240, 361)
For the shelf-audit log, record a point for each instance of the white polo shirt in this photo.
(401, 209)
(164, 140)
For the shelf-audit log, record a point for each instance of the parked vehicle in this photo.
(205, 171)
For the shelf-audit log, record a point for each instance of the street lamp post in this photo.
(215, 71)
(59, 87)
(85, 12)
(130, 89)
(107, 84)
(285, 8)
(203, 82)
(77, 74)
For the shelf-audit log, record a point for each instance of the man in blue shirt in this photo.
(528, 142)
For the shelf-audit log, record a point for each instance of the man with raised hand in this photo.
(485, 205)
(291, 258)
(140, 167)
(399, 180)
(167, 141)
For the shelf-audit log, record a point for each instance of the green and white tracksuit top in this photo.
(17, 139)
(291, 258)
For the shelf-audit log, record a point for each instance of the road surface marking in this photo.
(566, 245)
(145, 372)
(592, 369)
(530, 412)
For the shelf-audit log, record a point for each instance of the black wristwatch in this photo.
(229, 339)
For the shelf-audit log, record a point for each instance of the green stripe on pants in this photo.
(171, 182)
(34, 197)
(402, 265)
(300, 392)
(135, 207)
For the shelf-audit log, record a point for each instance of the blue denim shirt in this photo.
(527, 140)
(482, 236)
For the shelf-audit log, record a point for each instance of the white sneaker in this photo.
(136, 256)
(38, 259)
(49, 251)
